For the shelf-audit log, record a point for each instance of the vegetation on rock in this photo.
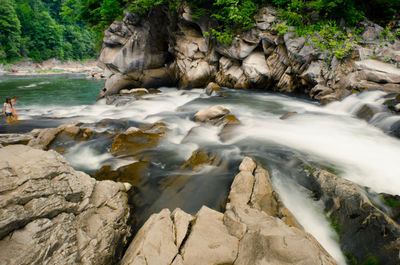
(41, 29)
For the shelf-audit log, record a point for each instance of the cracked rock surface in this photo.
(246, 233)
(52, 214)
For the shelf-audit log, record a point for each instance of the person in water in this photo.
(7, 110)
(14, 107)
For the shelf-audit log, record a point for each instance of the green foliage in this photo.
(335, 224)
(10, 31)
(35, 29)
(281, 28)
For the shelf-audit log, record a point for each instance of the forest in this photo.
(73, 29)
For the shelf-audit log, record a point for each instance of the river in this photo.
(328, 136)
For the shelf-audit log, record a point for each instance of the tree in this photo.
(10, 31)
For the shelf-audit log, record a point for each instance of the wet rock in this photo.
(138, 141)
(287, 115)
(7, 139)
(244, 234)
(52, 214)
(131, 173)
(215, 115)
(367, 111)
(201, 158)
(252, 187)
(211, 88)
(358, 221)
(47, 136)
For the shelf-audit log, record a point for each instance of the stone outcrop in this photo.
(364, 230)
(43, 138)
(52, 214)
(162, 51)
(244, 234)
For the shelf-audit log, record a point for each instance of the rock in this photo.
(256, 69)
(367, 111)
(200, 158)
(138, 141)
(231, 74)
(182, 221)
(379, 72)
(131, 47)
(313, 74)
(287, 115)
(265, 17)
(371, 32)
(239, 49)
(244, 234)
(131, 130)
(45, 138)
(212, 87)
(209, 241)
(131, 173)
(358, 221)
(7, 139)
(212, 114)
(154, 242)
(52, 214)
(247, 165)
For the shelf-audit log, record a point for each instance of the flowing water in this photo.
(328, 136)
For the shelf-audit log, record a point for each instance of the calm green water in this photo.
(61, 90)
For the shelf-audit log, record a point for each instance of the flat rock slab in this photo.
(379, 66)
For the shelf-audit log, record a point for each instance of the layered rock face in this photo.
(246, 233)
(52, 214)
(161, 51)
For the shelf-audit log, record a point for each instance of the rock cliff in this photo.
(164, 50)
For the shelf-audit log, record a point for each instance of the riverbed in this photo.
(328, 136)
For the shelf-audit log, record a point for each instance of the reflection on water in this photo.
(329, 136)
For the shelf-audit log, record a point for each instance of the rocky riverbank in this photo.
(162, 50)
(51, 67)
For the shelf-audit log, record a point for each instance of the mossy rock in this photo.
(138, 141)
(131, 173)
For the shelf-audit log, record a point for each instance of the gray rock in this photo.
(7, 139)
(154, 242)
(364, 229)
(52, 214)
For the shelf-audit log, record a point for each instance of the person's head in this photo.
(15, 98)
(8, 100)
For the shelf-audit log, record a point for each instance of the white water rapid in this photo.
(329, 135)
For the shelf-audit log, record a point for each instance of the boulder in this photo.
(239, 49)
(52, 214)
(211, 88)
(7, 139)
(256, 69)
(244, 234)
(231, 74)
(154, 242)
(137, 141)
(357, 220)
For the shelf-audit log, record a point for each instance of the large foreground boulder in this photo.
(52, 214)
(245, 234)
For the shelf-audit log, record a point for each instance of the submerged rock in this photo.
(52, 214)
(137, 141)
